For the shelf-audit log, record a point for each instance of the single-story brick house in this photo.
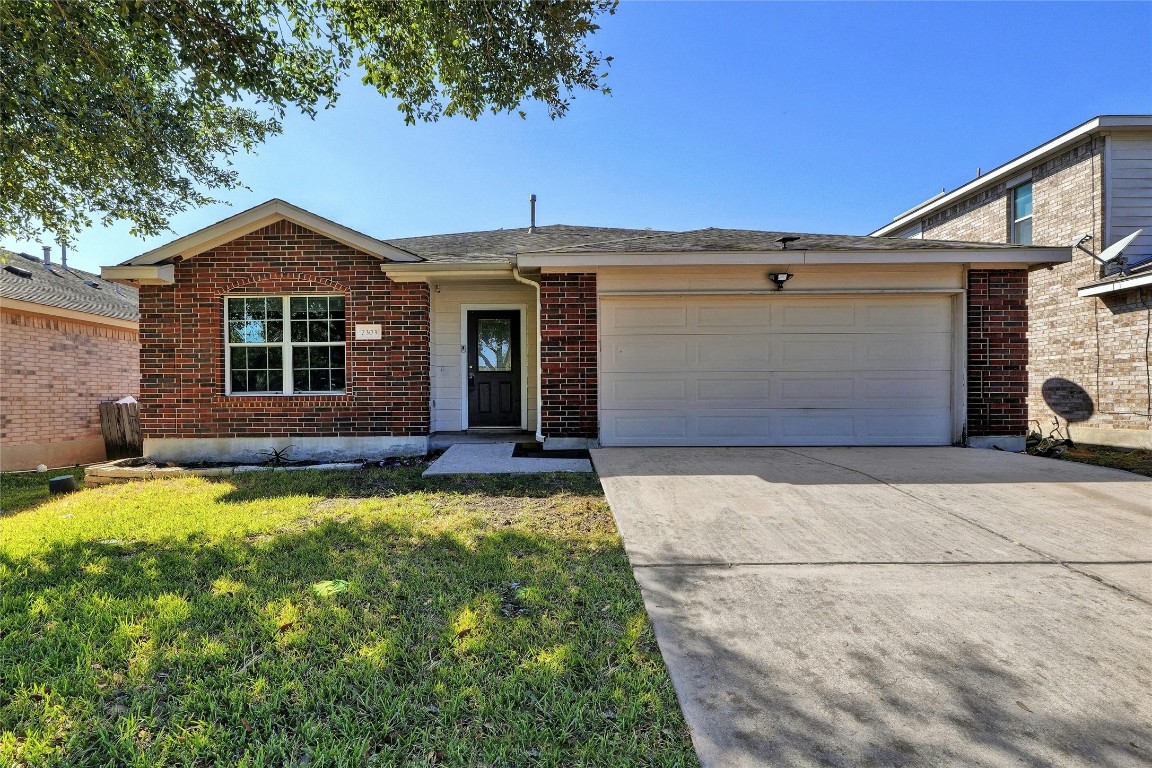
(67, 343)
(277, 327)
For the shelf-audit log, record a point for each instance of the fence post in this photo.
(120, 426)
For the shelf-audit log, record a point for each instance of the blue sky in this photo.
(818, 117)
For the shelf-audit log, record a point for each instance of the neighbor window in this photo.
(1022, 214)
(284, 344)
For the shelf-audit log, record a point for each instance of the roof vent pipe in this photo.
(47, 254)
(64, 255)
(532, 227)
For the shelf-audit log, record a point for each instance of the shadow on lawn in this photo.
(399, 481)
(498, 646)
(27, 490)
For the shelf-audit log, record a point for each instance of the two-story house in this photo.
(1090, 323)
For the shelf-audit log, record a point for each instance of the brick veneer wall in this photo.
(55, 374)
(568, 334)
(997, 352)
(1089, 356)
(182, 355)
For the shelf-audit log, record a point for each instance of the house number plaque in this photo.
(368, 332)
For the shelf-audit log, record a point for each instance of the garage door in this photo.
(776, 370)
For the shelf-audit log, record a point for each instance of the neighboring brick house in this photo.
(68, 341)
(1089, 330)
(277, 328)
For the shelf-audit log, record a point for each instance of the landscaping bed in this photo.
(124, 470)
(1128, 459)
(319, 618)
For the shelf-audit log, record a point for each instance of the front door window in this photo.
(494, 344)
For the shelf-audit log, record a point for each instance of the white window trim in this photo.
(286, 347)
(1012, 212)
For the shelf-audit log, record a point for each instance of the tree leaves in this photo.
(132, 109)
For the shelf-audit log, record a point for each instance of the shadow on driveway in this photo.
(880, 610)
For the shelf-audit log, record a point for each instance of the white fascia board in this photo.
(1021, 163)
(1122, 284)
(155, 274)
(261, 216)
(418, 273)
(993, 256)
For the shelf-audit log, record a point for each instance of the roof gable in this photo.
(253, 219)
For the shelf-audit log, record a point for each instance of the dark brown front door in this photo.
(494, 368)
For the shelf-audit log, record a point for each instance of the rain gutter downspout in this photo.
(539, 367)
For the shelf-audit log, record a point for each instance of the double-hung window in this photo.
(284, 345)
(1022, 214)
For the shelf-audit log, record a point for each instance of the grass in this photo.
(1132, 460)
(327, 619)
(27, 489)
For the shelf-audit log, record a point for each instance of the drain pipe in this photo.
(539, 368)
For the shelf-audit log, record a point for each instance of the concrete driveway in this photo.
(895, 606)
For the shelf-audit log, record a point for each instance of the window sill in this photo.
(341, 393)
(242, 399)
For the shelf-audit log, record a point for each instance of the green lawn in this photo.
(327, 618)
(20, 490)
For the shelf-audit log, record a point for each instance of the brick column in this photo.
(997, 357)
(568, 362)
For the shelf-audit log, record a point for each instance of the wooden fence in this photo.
(120, 424)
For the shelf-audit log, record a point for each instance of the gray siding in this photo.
(1130, 192)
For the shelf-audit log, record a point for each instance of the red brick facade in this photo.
(56, 373)
(568, 360)
(182, 343)
(997, 352)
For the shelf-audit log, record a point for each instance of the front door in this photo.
(494, 368)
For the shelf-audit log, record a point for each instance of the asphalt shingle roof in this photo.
(728, 240)
(74, 289)
(501, 245)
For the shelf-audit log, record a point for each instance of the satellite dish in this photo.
(1117, 248)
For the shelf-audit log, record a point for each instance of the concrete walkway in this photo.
(895, 607)
(497, 459)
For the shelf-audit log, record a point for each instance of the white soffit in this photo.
(417, 273)
(261, 216)
(1115, 286)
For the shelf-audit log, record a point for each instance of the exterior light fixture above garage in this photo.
(779, 278)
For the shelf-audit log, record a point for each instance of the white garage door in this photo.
(776, 370)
